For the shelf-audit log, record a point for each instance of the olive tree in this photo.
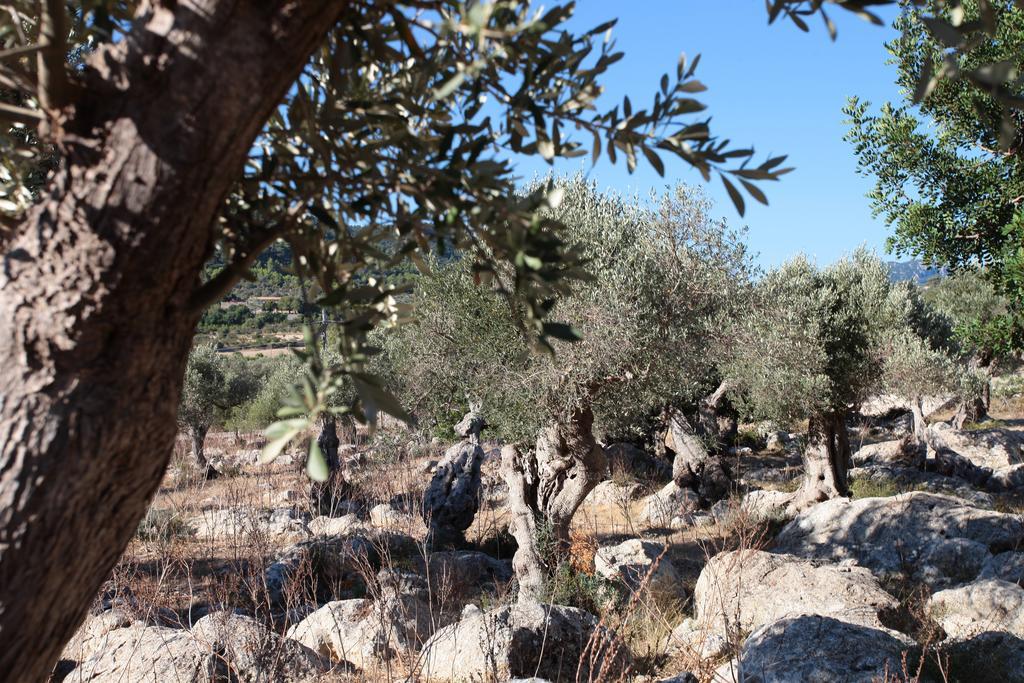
(813, 346)
(984, 334)
(147, 136)
(214, 386)
(660, 276)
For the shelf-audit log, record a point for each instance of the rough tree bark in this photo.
(197, 435)
(548, 486)
(695, 465)
(827, 460)
(95, 286)
(715, 424)
(917, 441)
(452, 498)
(975, 408)
(326, 497)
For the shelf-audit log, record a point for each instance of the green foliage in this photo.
(215, 384)
(589, 592)
(821, 341)
(278, 378)
(947, 162)
(661, 278)
(977, 312)
(394, 143)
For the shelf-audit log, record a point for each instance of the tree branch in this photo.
(218, 286)
(53, 78)
(10, 112)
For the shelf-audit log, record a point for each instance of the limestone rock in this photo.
(991, 657)
(521, 641)
(611, 493)
(1008, 566)
(739, 591)
(994, 448)
(776, 441)
(819, 648)
(630, 562)
(145, 654)
(369, 632)
(697, 640)
(91, 635)
(893, 535)
(468, 567)
(385, 517)
(984, 605)
(766, 504)
(252, 653)
(883, 453)
(671, 501)
(336, 526)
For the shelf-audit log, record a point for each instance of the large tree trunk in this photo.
(714, 423)
(698, 463)
(197, 435)
(94, 294)
(827, 460)
(327, 497)
(548, 487)
(917, 442)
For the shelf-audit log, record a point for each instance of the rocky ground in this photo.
(917, 577)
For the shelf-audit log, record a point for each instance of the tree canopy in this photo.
(662, 276)
(947, 161)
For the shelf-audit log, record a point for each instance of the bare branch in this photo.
(214, 289)
(19, 51)
(10, 112)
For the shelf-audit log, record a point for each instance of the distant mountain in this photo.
(915, 271)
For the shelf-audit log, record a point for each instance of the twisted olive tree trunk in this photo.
(698, 462)
(197, 435)
(827, 460)
(547, 487)
(94, 294)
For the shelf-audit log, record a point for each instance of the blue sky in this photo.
(773, 87)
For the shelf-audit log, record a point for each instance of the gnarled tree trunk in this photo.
(327, 496)
(548, 486)
(827, 460)
(94, 294)
(917, 442)
(197, 437)
(698, 463)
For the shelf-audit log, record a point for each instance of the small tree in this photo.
(214, 386)
(660, 276)
(983, 333)
(813, 347)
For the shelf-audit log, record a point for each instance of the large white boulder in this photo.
(669, 502)
(636, 561)
(521, 641)
(366, 633)
(819, 648)
(249, 652)
(739, 591)
(933, 538)
(145, 654)
(984, 605)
